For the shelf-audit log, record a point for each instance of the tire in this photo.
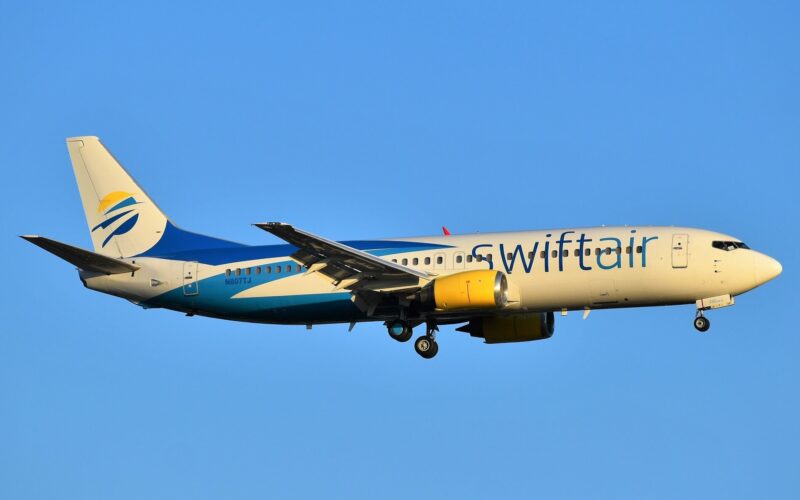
(399, 330)
(702, 324)
(426, 347)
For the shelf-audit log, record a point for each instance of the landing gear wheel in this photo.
(702, 323)
(399, 330)
(426, 347)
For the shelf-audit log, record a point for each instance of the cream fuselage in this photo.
(546, 270)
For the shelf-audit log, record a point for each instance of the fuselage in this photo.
(547, 270)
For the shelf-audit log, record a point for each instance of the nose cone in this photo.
(767, 268)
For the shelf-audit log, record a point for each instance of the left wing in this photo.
(347, 267)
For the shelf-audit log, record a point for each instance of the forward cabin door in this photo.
(190, 278)
(680, 250)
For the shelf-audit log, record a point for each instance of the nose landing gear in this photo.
(701, 322)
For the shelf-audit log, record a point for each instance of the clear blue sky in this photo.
(370, 120)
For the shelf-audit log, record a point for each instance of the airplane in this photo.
(503, 287)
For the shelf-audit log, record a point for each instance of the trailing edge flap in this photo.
(346, 266)
(83, 259)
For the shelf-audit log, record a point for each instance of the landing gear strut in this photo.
(399, 330)
(426, 345)
(701, 322)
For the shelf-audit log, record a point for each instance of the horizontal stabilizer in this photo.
(83, 259)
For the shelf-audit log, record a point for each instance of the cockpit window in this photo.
(729, 245)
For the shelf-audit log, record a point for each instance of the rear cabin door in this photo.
(190, 278)
(680, 250)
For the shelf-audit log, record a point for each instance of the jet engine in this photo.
(482, 289)
(516, 328)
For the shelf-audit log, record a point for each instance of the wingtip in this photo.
(269, 224)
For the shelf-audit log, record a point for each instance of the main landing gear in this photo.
(425, 345)
(701, 322)
(399, 330)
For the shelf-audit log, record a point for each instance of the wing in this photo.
(346, 266)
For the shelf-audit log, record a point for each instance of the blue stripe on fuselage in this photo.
(177, 244)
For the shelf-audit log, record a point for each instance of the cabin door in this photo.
(680, 250)
(190, 278)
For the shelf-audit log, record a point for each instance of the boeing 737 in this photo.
(503, 287)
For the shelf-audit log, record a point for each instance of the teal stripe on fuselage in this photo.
(214, 298)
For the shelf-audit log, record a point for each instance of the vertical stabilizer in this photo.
(123, 221)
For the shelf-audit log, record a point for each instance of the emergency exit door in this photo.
(680, 250)
(190, 278)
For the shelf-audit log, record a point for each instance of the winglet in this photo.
(445, 231)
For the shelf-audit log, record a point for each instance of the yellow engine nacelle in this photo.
(516, 328)
(482, 289)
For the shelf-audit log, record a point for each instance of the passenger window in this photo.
(555, 253)
(627, 250)
(577, 252)
(277, 269)
(597, 251)
(588, 252)
(469, 258)
(405, 262)
(542, 255)
(489, 257)
(639, 249)
(608, 250)
(238, 272)
(269, 269)
(618, 250)
(509, 256)
(440, 260)
(415, 261)
(227, 272)
(459, 259)
(479, 258)
(247, 271)
(565, 253)
(394, 260)
(258, 270)
(427, 261)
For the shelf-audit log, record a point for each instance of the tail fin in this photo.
(123, 221)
